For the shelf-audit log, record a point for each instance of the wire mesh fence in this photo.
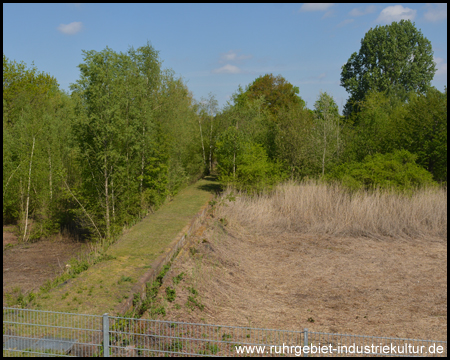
(45, 333)
(35, 332)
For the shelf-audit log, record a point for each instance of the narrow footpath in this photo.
(105, 285)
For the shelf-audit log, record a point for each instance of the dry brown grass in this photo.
(313, 256)
(315, 208)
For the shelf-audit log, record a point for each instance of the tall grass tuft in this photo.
(318, 208)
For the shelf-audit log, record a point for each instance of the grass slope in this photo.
(103, 286)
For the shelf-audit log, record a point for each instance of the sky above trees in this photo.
(217, 47)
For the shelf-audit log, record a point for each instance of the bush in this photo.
(253, 169)
(397, 170)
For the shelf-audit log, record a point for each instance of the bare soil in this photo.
(28, 266)
(290, 281)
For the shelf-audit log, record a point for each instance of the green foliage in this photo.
(395, 58)
(35, 133)
(135, 130)
(158, 310)
(192, 290)
(255, 171)
(396, 170)
(422, 130)
(292, 140)
(177, 279)
(192, 303)
(24, 86)
(170, 294)
(373, 126)
(243, 163)
(130, 135)
(276, 91)
(124, 279)
(326, 141)
(385, 123)
(16, 297)
(209, 349)
(175, 346)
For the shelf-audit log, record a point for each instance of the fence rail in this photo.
(29, 332)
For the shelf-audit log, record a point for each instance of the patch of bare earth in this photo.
(289, 281)
(28, 266)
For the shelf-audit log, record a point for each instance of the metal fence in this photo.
(46, 333)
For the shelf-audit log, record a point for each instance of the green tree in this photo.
(326, 141)
(294, 129)
(103, 130)
(276, 91)
(33, 129)
(24, 86)
(228, 148)
(394, 58)
(372, 128)
(208, 110)
(178, 120)
(422, 130)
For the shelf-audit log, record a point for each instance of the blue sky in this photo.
(217, 47)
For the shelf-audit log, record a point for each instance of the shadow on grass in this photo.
(215, 188)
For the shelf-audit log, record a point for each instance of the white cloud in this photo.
(232, 55)
(345, 22)
(441, 66)
(328, 14)
(321, 76)
(396, 13)
(70, 29)
(436, 12)
(315, 7)
(360, 11)
(227, 69)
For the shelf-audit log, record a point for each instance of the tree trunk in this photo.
(324, 149)
(10, 177)
(21, 200)
(210, 147)
(108, 230)
(234, 164)
(142, 162)
(85, 212)
(28, 191)
(203, 146)
(50, 175)
(112, 199)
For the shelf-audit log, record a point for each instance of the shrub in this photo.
(397, 170)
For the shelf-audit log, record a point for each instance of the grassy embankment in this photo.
(103, 286)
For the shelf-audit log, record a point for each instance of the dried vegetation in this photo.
(312, 256)
(315, 208)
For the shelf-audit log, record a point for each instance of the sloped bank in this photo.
(139, 290)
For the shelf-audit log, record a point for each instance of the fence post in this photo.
(105, 335)
(305, 342)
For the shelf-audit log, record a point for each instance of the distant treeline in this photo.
(130, 134)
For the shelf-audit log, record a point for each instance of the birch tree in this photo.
(325, 134)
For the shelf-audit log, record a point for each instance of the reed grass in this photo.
(312, 207)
